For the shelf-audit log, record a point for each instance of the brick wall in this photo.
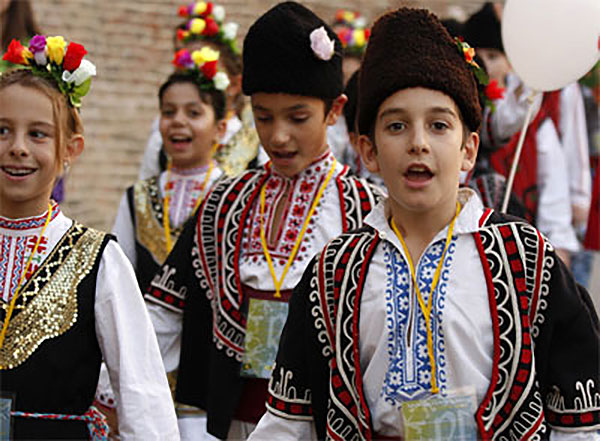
(131, 44)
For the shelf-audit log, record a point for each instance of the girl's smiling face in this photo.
(188, 126)
(28, 153)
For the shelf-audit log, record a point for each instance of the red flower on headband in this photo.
(180, 34)
(367, 33)
(73, 57)
(16, 53)
(493, 91)
(182, 11)
(209, 8)
(211, 28)
(209, 69)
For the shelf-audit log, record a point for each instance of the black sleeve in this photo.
(567, 350)
(298, 388)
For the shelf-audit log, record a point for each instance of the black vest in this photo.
(61, 374)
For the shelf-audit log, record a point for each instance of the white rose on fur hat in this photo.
(321, 44)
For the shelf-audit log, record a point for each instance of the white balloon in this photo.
(551, 43)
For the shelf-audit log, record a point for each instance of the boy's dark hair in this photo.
(278, 57)
(213, 97)
(351, 91)
(411, 48)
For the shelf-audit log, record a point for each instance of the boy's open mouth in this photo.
(419, 173)
(283, 155)
(17, 172)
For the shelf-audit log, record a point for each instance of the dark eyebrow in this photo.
(446, 110)
(402, 111)
(287, 109)
(392, 111)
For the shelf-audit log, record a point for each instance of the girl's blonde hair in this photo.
(65, 117)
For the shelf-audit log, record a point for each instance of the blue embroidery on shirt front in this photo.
(409, 372)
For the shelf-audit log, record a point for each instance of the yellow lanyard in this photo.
(279, 282)
(23, 274)
(427, 309)
(166, 221)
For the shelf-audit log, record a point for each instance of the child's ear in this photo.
(368, 153)
(470, 151)
(75, 146)
(336, 109)
(221, 129)
(235, 85)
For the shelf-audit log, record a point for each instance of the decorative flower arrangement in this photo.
(52, 58)
(352, 32)
(206, 21)
(488, 90)
(320, 43)
(202, 64)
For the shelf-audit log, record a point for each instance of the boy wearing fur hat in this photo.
(438, 311)
(231, 273)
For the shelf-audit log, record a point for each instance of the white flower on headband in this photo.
(221, 80)
(321, 44)
(85, 70)
(360, 23)
(40, 58)
(230, 30)
(218, 13)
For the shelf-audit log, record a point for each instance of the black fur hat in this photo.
(482, 29)
(411, 48)
(278, 54)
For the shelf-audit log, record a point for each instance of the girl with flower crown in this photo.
(69, 298)
(153, 211)
(238, 148)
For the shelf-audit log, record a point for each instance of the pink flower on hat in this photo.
(320, 43)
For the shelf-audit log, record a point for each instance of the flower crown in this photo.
(202, 65)
(206, 21)
(352, 32)
(52, 58)
(488, 90)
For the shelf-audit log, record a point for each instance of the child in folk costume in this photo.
(553, 179)
(192, 111)
(69, 294)
(230, 275)
(438, 309)
(205, 25)
(153, 211)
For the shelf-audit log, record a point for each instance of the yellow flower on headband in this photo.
(56, 48)
(197, 25)
(359, 37)
(348, 16)
(204, 55)
(200, 8)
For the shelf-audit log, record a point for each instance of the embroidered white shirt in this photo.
(123, 328)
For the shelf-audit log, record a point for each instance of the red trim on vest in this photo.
(487, 435)
(525, 182)
(592, 236)
(355, 331)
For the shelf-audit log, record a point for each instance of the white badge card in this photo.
(263, 329)
(441, 418)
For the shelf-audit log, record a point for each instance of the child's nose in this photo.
(418, 141)
(280, 135)
(18, 146)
